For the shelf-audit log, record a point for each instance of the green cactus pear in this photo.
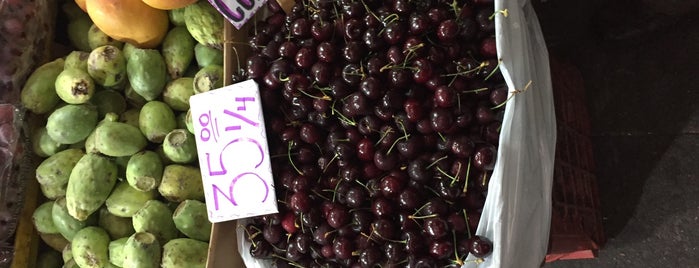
(67, 253)
(118, 139)
(77, 60)
(180, 146)
(42, 219)
(144, 171)
(90, 142)
(74, 86)
(55, 241)
(70, 264)
(117, 227)
(161, 154)
(53, 192)
(43, 145)
(205, 24)
(125, 200)
(91, 247)
(184, 252)
(176, 16)
(189, 122)
(130, 116)
(107, 66)
(49, 259)
(97, 38)
(108, 101)
(89, 185)
(77, 32)
(155, 217)
(191, 218)
(156, 120)
(133, 98)
(208, 78)
(128, 50)
(177, 93)
(72, 123)
(142, 250)
(67, 225)
(178, 51)
(147, 72)
(180, 183)
(116, 251)
(39, 92)
(54, 172)
(206, 56)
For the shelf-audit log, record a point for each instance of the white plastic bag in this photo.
(517, 211)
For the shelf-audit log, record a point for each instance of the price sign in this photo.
(238, 11)
(233, 153)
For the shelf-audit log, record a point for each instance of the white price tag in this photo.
(233, 152)
(238, 11)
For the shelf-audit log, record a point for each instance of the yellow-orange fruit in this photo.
(81, 4)
(169, 4)
(129, 21)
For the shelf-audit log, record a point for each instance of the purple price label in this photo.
(238, 12)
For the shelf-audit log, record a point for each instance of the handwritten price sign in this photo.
(233, 153)
(238, 11)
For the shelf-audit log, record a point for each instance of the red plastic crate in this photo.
(576, 220)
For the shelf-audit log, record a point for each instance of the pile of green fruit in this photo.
(119, 167)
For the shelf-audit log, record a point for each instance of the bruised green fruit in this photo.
(77, 60)
(147, 72)
(117, 227)
(130, 116)
(156, 120)
(177, 93)
(55, 241)
(49, 259)
(205, 24)
(42, 219)
(89, 185)
(118, 139)
(116, 251)
(184, 252)
(144, 171)
(208, 78)
(142, 250)
(180, 146)
(54, 171)
(178, 51)
(74, 86)
(181, 183)
(176, 16)
(206, 56)
(133, 98)
(72, 123)
(191, 218)
(107, 66)
(91, 247)
(90, 142)
(109, 101)
(39, 91)
(125, 200)
(97, 38)
(66, 225)
(43, 145)
(155, 217)
(67, 253)
(77, 32)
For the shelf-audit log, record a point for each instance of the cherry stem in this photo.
(468, 227)
(456, 176)
(516, 91)
(335, 191)
(383, 135)
(377, 234)
(468, 172)
(331, 161)
(456, 251)
(290, 262)
(497, 67)
(291, 144)
(320, 195)
(436, 161)
(341, 116)
(476, 90)
(422, 217)
(455, 7)
(396, 142)
(324, 97)
(504, 13)
(446, 174)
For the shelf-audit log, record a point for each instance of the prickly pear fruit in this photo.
(67, 253)
(43, 145)
(144, 171)
(118, 139)
(125, 200)
(189, 122)
(178, 51)
(107, 66)
(55, 170)
(180, 146)
(130, 116)
(128, 50)
(208, 78)
(116, 251)
(206, 56)
(108, 101)
(91, 247)
(77, 33)
(147, 73)
(97, 38)
(89, 185)
(142, 250)
(53, 192)
(117, 227)
(70, 264)
(90, 143)
(155, 217)
(161, 153)
(74, 86)
(177, 93)
(77, 60)
(42, 219)
(205, 24)
(181, 183)
(133, 98)
(184, 252)
(39, 92)
(72, 123)
(55, 241)
(156, 120)
(66, 224)
(176, 16)
(49, 259)
(191, 219)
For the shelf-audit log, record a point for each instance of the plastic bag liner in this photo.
(517, 211)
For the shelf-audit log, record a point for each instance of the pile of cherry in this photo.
(383, 121)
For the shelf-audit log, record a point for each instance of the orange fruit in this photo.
(81, 4)
(129, 21)
(169, 4)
